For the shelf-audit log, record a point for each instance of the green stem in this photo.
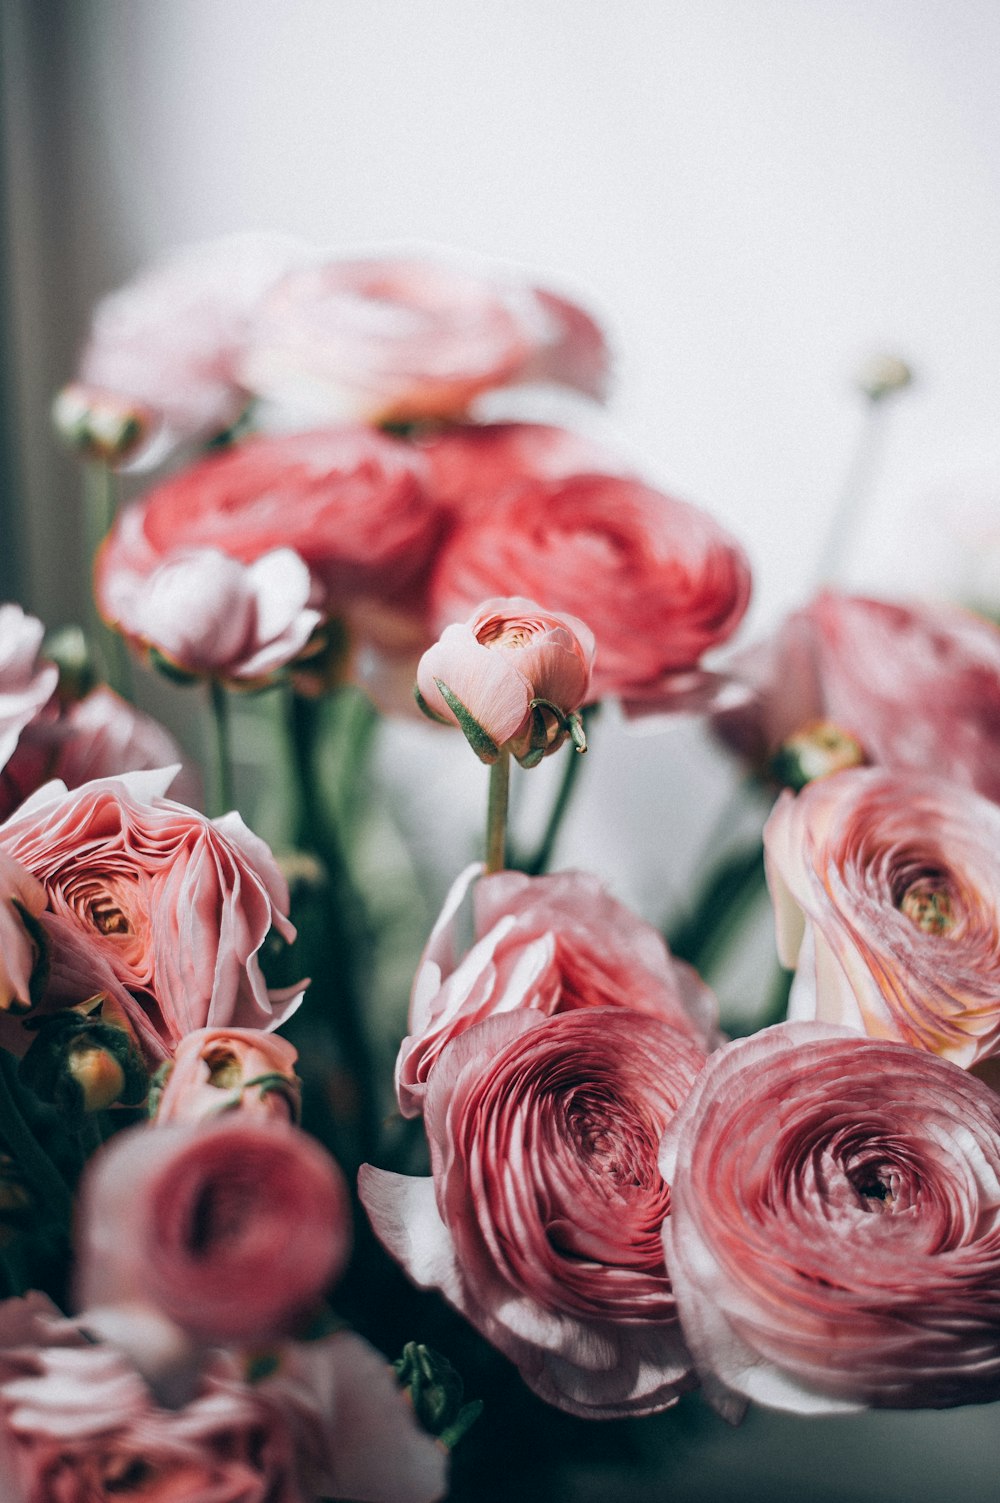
(496, 812)
(538, 862)
(856, 488)
(100, 503)
(220, 794)
(36, 1166)
(727, 896)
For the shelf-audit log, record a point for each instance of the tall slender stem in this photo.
(100, 502)
(496, 812)
(538, 862)
(220, 799)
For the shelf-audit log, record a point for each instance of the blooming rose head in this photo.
(399, 340)
(167, 345)
(231, 1227)
(512, 675)
(886, 888)
(916, 686)
(219, 1069)
(547, 944)
(541, 1223)
(657, 580)
(834, 1236)
(22, 940)
(176, 905)
(25, 684)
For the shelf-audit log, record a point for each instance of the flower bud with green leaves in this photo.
(99, 424)
(436, 1392)
(81, 1063)
(814, 751)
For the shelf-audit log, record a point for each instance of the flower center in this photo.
(107, 917)
(927, 903)
(505, 634)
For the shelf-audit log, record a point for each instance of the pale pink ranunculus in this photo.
(22, 901)
(170, 341)
(916, 685)
(548, 944)
(657, 580)
(26, 684)
(834, 1235)
(886, 888)
(403, 339)
(219, 1069)
(509, 653)
(232, 1227)
(175, 904)
(541, 1222)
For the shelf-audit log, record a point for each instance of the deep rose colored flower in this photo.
(232, 1227)
(176, 904)
(886, 888)
(217, 1069)
(169, 341)
(657, 580)
(541, 1222)
(834, 1236)
(22, 900)
(509, 654)
(397, 340)
(98, 736)
(546, 944)
(25, 684)
(917, 686)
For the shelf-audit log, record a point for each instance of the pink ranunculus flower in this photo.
(25, 683)
(510, 653)
(231, 1227)
(402, 339)
(541, 1223)
(170, 341)
(657, 580)
(834, 1236)
(917, 685)
(22, 901)
(547, 944)
(886, 887)
(175, 904)
(218, 1069)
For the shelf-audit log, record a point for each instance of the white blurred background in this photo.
(754, 195)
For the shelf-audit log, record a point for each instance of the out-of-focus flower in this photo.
(818, 749)
(541, 1222)
(399, 340)
(886, 888)
(175, 904)
(512, 675)
(881, 375)
(657, 580)
(834, 1235)
(22, 900)
(25, 683)
(218, 1069)
(232, 1227)
(547, 944)
(84, 1058)
(167, 345)
(100, 425)
(916, 685)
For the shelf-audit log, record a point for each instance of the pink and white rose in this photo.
(834, 1235)
(541, 1221)
(222, 1069)
(549, 945)
(886, 888)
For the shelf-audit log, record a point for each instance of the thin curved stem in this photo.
(496, 812)
(100, 503)
(220, 798)
(539, 861)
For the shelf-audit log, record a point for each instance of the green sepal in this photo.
(58, 1035)
(577, 734)
(425, 708)
(170, 669)
(436, 1392)
(466, 1418)
(482, 744)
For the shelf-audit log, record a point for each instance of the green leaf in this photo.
(482, 744)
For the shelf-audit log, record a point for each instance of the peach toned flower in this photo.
(541, 1222)
(886, 888)
(546, 944)
(401, 339)
(657, 580)
(517, 670)
(218, 1069)
(25, 683)
(22, 900)
(834, 1235)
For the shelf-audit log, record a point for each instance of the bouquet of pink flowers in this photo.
(214, 1218)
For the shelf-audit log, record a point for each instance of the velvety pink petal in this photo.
(487, 683)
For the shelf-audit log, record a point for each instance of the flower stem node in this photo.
(98, 423)
(436, 1391)
(80, 1063)
(814, 751)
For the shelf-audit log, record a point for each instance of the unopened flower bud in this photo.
(881, 375)
(99, 424)
(819, 748)
(81, 1063)
(436, 1391)
(66, 646)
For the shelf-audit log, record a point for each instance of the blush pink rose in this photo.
(657, 580)
(231, 1227)
(509, 654)
(170, 341)
(397, 340)
(218, 1069)
(541, 1223)
(834, 1236)
(886, 888)
(548, 944)
(175, 904)
(25, 683)
(917, 686)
